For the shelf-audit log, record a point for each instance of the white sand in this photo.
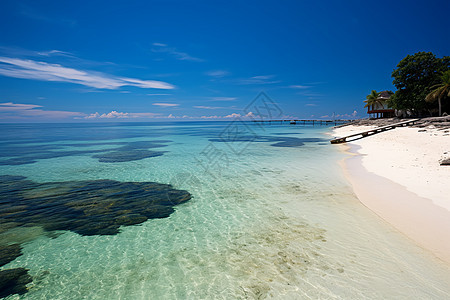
(405, 185)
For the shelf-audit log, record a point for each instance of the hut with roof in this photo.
(379, 108)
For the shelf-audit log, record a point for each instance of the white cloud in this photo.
(120, 115)
(166, 104)
(209, 117)
(310, 104)
(218, 73)
(158, 94)
(233, 115)
(236, 115)
(29, 69)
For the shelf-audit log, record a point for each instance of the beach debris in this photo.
(14, 281)
(445, 162)
(9, 253)
(90, 207)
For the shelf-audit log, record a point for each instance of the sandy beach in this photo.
(397, 175)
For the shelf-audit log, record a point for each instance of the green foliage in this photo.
(440, 91)
(414, 77)
(371, 99)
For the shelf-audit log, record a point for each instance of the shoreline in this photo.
(422, 215)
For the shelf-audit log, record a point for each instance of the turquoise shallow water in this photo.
(271, 216)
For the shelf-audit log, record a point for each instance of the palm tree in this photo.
(372, 99)
(441, 90)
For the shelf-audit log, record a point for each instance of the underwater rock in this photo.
(91, 207)
(9, 253)
(14, 281)
(123, 156)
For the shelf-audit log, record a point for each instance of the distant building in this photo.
(380, 108)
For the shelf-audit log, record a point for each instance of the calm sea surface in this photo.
(196, 210)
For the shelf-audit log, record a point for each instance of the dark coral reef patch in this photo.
(14, 281)
(9, 253)
(23, 153)
(123, 156)
(91, 207)
(277, 141)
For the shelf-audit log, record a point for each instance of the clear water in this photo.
(271, 217)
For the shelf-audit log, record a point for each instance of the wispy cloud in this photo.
(218, 73)
(260, 79)
(223, 98)
(158, 94)
(164, 48)
(53, 56)
(120, 115)
(310, 95)
(298, 86)
(9, 106)
(208, 107)
(166, 104)
(30, 69)
(159, 44)
(11, 111)
(55, 53)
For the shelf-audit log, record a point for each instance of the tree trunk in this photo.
(440, 107)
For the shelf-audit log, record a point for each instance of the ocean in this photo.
(196, 210)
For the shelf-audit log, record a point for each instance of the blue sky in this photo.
(188, 60)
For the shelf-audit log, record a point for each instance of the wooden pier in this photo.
(305, 122)
(373, 131)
